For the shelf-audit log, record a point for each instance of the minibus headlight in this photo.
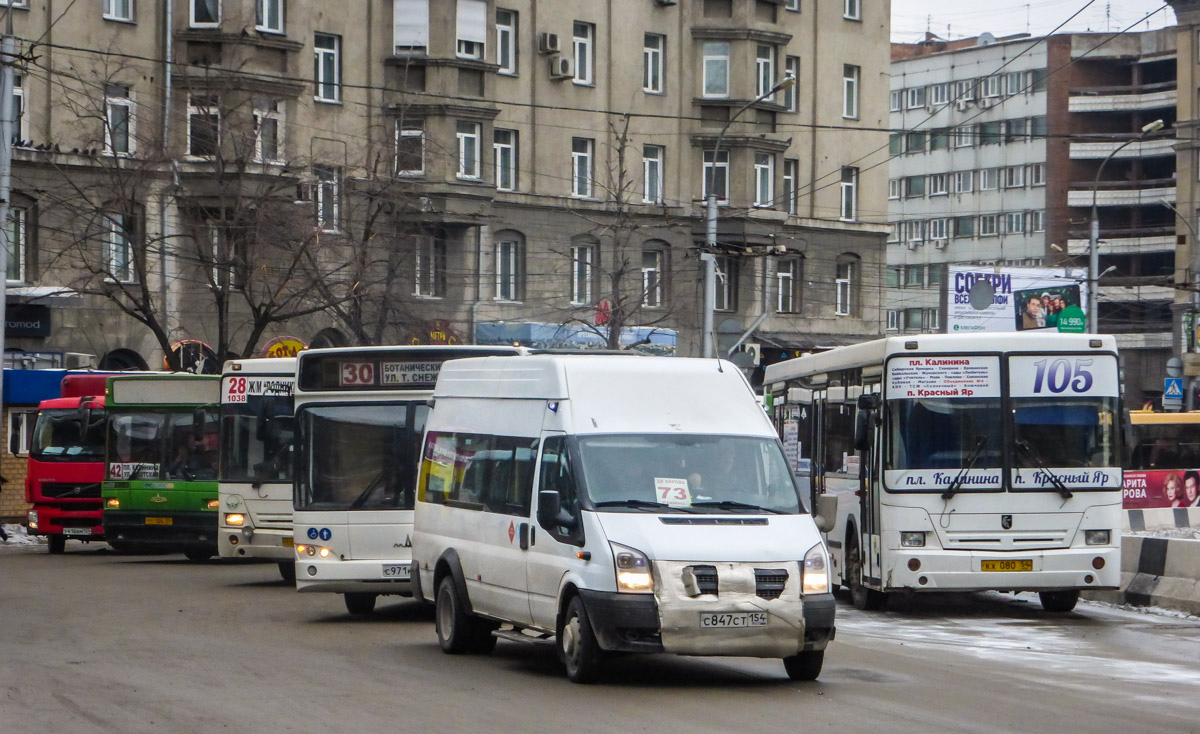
(235, 519)
(112, 504)
(633, 570)
(814, 575)
(1097, 537)
(912, 540)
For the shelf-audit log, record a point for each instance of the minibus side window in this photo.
(557, 476)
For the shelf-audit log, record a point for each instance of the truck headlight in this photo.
(33, 520)
(235, 519)
(633, 570)
(1097, 537)
(814, 574)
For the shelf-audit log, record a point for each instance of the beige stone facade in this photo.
(357, 154)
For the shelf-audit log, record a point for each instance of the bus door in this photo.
(868, 441)
(817, 473)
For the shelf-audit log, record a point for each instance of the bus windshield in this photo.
(256, 439)
(942, 433)
(687, 474)
(1165, 446)
(163, 445)
(1065, 432)
(57, 435)
(358, 457)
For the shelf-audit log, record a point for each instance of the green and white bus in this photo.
(160, 481)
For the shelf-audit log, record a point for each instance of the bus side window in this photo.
(840, 455)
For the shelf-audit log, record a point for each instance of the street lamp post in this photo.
(1093, 318)
(710, 241)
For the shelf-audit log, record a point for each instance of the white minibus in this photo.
(665, 517)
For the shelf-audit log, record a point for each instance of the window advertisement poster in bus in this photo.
(945, 409)
(1065, 421)
(1164, 461)
(1023, 299)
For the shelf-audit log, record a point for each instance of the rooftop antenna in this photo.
(1107, 16)
(1027, 18)
(929, 24)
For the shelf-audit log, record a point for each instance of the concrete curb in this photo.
(1161, 518)
(1157, 572)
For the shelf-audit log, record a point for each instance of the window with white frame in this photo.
(17, 246)
(583, 259)
(964, 182)
(268, 131)
(118, 124)
(989, 179)
(934, 322)
(764, 179)
(939, 94)
(895, 188)
(844, 285)
(327, 69)
(893, 320)
(653, 46)
(1014, 177)
(468, 134)
(726, 295)
(916, 97)
(791, 93)
(989, 225)
(508, 270)
(504, 150)
(849, 191)
(1015, 82)
(850, 77)
(1014, 223)
(1037, 221)
(471, 29)
(204, 126)
(581, 166)
(938, 184)
(1037, 174)
(652, 174)
(716, 175)
(993, 86)
(410, 26)
(914, 230)
(652, 277)
(21, 124)
(118, 247)
(852, 10)
(268, 16)
(964, 90)
(506, 41)
(205, 13)
(113, 9)
(430, 267)
(791, 177)
(787, 282)
(583, 37)
(716, 69)
(896, 100)
(939, 229)
(964, 137)
(793, 5)
(410, 147)
(893, 235)
(764, 69)
(328, 197)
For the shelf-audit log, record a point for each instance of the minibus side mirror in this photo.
(550, 513)
(826, 515)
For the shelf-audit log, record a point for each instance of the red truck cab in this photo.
(66, 463)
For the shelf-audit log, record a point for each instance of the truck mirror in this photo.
(826, 516)
(85, 421)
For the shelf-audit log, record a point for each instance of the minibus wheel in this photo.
(58, 543)
(1058, 601)
(805, 665)
(577, 646)
(358, 603)
(459, 632)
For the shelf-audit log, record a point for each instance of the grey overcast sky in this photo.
(911, 18)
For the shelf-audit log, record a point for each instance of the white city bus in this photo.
(962, 462)
(256, 461)
(360, 414)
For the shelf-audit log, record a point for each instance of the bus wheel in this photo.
(805, 665)
(862, 597)
(577, 646)
(58, 543)
(358, 603)
(458, 631)
(287, 569)
(197, 554)
(1058, 601)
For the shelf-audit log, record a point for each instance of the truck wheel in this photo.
(358, 603)
(577, 646)
(805, 665)
(1058, 601)
(287, 569)
(57, 543)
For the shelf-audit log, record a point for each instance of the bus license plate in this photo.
(160, 521)
(718, 620)
(289, 542)
(1020, 564)
(77, 531)
(402, 571)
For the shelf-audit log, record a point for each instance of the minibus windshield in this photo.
(696, 473)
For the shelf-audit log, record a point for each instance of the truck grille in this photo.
(769, 582)
(70, 490)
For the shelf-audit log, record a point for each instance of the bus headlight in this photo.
(633, 570)
(912, 540)
(1097, 537)
(814, 573)
(112, 504)
(212, 504)
(235, 519)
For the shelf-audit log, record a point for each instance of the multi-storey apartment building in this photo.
(1005, 142)
(392, 170)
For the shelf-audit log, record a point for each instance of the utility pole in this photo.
(8, 59)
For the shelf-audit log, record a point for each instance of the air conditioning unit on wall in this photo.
(548, 43)
(561, 68)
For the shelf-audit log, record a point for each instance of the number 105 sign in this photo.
(1056, 375)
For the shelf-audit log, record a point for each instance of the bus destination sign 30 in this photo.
(388, 374)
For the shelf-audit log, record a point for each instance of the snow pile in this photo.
(1187, 533)
(18, 536)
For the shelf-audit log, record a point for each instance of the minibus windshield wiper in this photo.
(1058, 483)
(732, 505)
(635, 504)
(957, 482)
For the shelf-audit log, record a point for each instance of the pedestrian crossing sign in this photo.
(1173, 388)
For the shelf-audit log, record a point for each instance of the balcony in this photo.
(1154, 148)
(1123, 99)
(1122, 193)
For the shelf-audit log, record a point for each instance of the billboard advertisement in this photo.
(1176, 488)
(1024, 299)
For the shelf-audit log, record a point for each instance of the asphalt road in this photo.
(95, 642)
